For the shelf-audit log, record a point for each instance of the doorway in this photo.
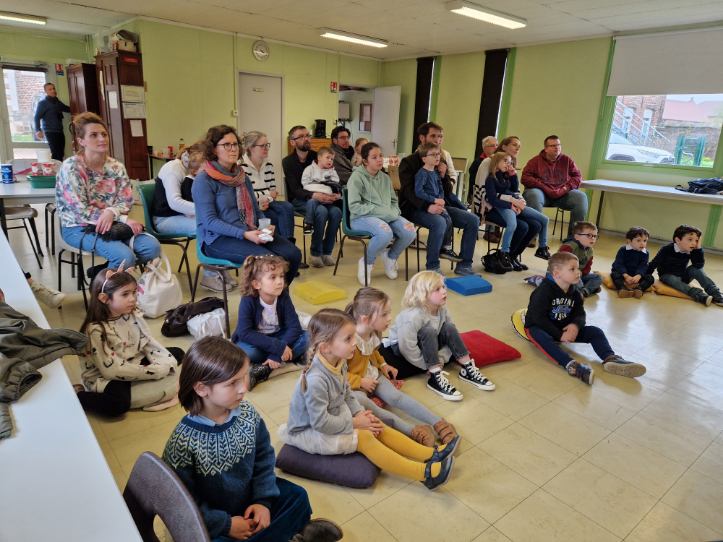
(371, 113)
(260, 107)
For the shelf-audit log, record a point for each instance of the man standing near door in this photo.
(49, 121)
(343, 152)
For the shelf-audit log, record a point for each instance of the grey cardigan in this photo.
(406, 327)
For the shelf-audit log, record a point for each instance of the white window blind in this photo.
(685, 62)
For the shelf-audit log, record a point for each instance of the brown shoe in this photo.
(445, 430)
(625, 293)
(424, 435)
(638, 293)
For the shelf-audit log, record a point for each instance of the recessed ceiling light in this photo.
(22, 18)
(352, 38)
(485, 14)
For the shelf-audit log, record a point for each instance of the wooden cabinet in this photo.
(83, 88)
(316, 144)
(120, 84)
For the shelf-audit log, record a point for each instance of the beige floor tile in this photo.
(527, 453)
(487, 486)
(137, 421)
(327, 500)
(363, 528)
(604, 498)
(628, 392)
(437, 515)
(473, 420)
(541, 517)
(128, 448)
(665, 524)
(710, 461)
(492, 535)
(385, 486)
(544, 379)
(698, 496)
(512, 400)
(644, 468)
(596, 407)
(573, 432)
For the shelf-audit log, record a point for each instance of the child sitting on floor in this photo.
(584, 237)
(124, 366)
(630, 268)
(369, 374)
(556, 315)
(268, 327)
(325, 418)
(672, 261)
(425, 337)
(222, 452)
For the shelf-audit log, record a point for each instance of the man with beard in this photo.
(49, 121)
(326, 218)
(343, 152)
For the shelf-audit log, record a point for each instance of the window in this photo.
(673, 129)
(23, 90)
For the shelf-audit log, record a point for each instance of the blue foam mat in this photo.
(471, 285)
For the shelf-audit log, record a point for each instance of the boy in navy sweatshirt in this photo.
(556, 314)
(630, 268)
(672, 261)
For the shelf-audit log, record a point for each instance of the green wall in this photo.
(404, 74)
(190, 78)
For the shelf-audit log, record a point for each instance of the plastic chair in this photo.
(76, 266)
(350, 233)
(178, 239)
(26, 214)
(153, 489)
(561, 213)
(214, 264)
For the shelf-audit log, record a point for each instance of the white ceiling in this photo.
(413, 27)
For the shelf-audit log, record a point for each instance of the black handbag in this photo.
(492, 264)
(117, 232)
(175, 323)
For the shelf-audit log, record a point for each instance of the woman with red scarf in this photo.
(227, 214)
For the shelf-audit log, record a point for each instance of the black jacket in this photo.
(669, 262)
(551, 308)
(408, 200)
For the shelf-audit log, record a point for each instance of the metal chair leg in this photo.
(195, 282)
(339, 253)
(32, 245)
(35, 234)
(366, 268)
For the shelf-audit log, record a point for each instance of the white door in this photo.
(260, 108)
(385, 118)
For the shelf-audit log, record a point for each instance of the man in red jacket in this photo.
(552, 179)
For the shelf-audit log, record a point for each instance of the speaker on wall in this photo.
(320, 129)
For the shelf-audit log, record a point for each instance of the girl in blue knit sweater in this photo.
(222, 452)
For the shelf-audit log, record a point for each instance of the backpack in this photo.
(492, 263)
(714, 185)
(176, 319)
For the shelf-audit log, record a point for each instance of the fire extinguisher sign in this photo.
(333, 86)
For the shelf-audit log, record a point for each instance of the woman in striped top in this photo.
(260, 170)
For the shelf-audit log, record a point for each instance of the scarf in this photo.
(243, 199)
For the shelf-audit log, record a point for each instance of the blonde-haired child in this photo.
(369, 374)
(325, 418)
(425, 336)
(268, 327)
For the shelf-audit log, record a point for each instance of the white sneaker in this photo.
(214, 283)
(48, 296)
(360, 273)
(390, 266)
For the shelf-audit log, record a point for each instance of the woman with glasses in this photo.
(227, 211)
(260, 170)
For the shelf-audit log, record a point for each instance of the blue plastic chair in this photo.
(180, 240)
(214, 264)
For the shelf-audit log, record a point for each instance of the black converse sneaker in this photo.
(439, 384)
(470, 373)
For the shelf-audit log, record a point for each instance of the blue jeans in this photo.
(258, 356)
(683, 283)
(440, 233)
(237, 250)
(145, 247)
(469, 222)
(281, 214)
(383, 233)
(592, 282)
(178, 224)
(574, 201)
(326, 219)
(519, 229)
(290, 513)
(591, 335)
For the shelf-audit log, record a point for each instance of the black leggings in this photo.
(115, 399)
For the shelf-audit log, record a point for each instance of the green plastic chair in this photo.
(180, 240)
(219, 265)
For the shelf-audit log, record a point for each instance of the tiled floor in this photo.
(544, 457)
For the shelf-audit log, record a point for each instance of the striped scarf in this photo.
(243, 198)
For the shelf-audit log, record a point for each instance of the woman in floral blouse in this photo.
(93, 188)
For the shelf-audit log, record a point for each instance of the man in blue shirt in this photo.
(49, 121)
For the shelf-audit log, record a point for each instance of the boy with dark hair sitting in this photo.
(584, 236)
(556, 315)
(672, 261)
(630, 268)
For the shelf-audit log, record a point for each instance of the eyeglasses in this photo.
(264, 146)
(588, 235)
(228, 146)
(304, 136)
(433, 154)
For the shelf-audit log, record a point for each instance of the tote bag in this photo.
(158, 288)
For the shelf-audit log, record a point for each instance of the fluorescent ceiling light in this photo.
(21, 18)
(487, 15)
(352, 38)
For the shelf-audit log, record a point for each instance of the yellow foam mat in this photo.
(318, 293)
(663, 289)
(518, 322)
(607, 281)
